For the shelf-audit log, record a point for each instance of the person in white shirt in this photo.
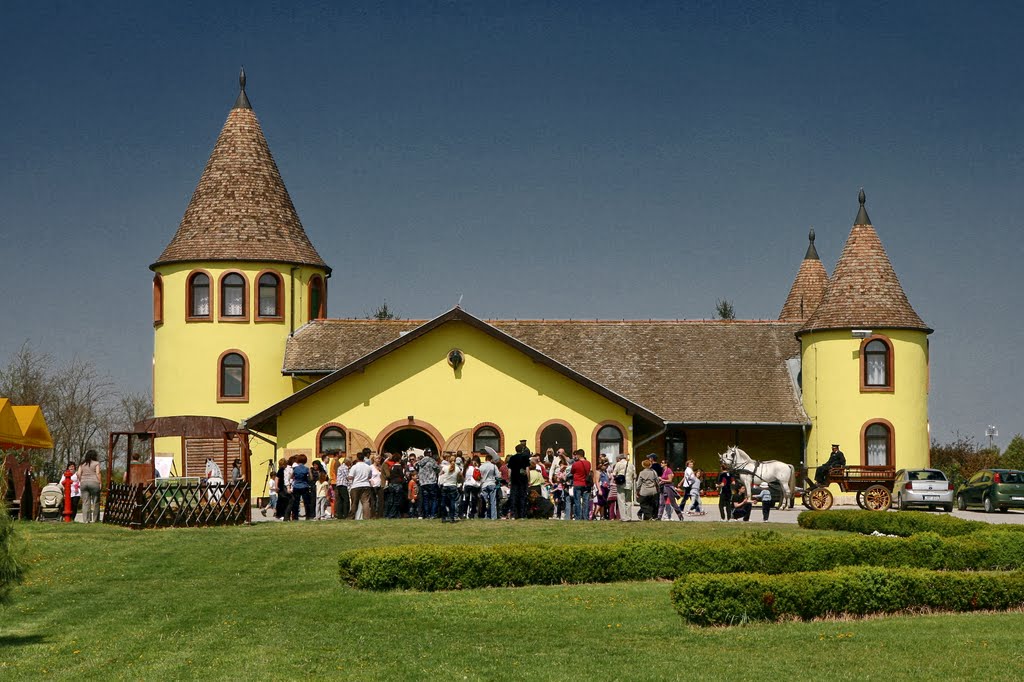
(471, 489)
(359, 475)
(489, 487)
(624, 475)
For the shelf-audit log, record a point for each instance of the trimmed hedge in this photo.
(453, 567)
(902, 523)
(704, 599)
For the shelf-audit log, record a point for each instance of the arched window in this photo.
(158, 300)
(609, 440)
(878, 444)
(876, 364)
(232, 296)
(317, 304)
(556, 434)
(332, 439)
(486, 436)
(199, 296)
(233, 377)
(269, 296)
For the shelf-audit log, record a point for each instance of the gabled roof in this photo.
(241, 209)
(864, 290)
(454, 315)
(685, 371)
(808, 288)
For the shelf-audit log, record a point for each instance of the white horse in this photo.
(749, 470)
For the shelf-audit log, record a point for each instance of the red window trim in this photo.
(189, 317)
(244, 398)
(608, 422)
(572, 432)
(322, 313)
(889, 365)
(492, 425)
(158, 300)
(280, 298)
(330, 425)
(244, 317)
(891, 445)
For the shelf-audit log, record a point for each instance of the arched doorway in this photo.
(406, 438)
(557, 435)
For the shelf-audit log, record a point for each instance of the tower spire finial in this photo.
(242, 102)
(862, 214)
(812, 253)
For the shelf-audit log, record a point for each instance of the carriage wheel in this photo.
(860, 499)
(805, 499)
(821, 499)
(877, 498)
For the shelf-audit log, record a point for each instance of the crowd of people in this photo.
(486, 485)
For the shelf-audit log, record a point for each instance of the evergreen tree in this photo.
(1013, 456)
(11, 570)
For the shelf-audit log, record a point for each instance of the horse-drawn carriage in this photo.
(873, 485)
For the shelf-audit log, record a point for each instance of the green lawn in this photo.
(264, 602)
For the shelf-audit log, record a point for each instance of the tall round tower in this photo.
(864, 361)
(238, 277)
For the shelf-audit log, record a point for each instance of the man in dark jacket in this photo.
(836, 459)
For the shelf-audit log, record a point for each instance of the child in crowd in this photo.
(766, 499)
(695, 507)
(322, 486)
(272, 500)
(414, 496)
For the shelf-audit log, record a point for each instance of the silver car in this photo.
(922, 488)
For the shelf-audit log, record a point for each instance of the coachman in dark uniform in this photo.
(836, 459)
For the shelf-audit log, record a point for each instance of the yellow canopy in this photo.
(23, 426)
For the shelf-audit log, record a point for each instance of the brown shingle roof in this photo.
(683, 371)
(864, 290)
(240, 209)
(808, 288)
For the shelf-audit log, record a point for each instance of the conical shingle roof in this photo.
(241, 209)
(864, 290)
(808, 288)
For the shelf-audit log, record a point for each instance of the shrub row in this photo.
(706, 599)
(903, 524)
(454, 567)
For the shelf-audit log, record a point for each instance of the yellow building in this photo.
(242, 341)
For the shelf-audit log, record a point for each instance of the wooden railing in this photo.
(177, 504)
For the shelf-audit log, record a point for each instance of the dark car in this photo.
(993, 489)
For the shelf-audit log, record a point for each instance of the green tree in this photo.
(11, 569)
(724, 309)
(383, 312)
(1013, 456)
(962, 457)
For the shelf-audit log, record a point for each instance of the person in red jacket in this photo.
(581, 482)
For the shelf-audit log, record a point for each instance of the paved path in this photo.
(789, 515)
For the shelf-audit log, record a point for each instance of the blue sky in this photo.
(612, 160)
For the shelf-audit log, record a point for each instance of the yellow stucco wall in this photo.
(838, 409)
(185, 354)
(496, 384)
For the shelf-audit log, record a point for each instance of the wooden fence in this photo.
(177, 503)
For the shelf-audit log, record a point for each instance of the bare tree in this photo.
(78, 402)
(83, 408)
(26, 378)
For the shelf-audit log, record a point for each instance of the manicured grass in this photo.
(265, 602)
